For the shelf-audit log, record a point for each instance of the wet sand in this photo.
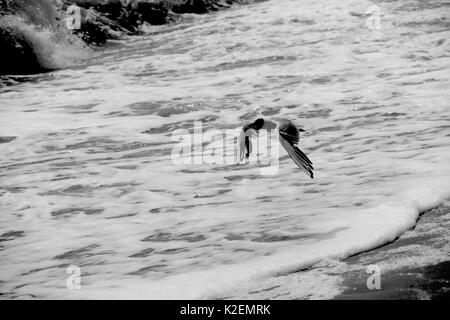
(410, 276)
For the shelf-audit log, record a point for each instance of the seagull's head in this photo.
(258, 124)
(250, 130)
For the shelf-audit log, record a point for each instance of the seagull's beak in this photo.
(301, 130)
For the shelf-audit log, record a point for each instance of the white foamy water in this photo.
(88, 180)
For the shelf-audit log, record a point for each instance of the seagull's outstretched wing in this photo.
(300, 159)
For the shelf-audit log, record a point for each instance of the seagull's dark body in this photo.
(289, 137)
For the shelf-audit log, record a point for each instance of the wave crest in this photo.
(34, 38)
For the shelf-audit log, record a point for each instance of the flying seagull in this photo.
(288, 135)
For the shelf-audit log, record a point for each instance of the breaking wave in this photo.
(34, 38)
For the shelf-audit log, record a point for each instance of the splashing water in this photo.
(40, 25)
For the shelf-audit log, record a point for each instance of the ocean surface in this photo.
(88, 180)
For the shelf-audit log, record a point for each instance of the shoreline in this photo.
(416, 266)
